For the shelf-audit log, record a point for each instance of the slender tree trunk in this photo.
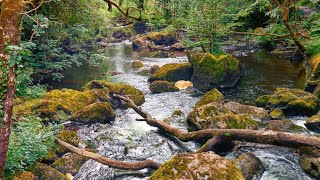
(10, 22)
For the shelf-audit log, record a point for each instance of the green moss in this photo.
(162, 86)
(97, 112)
(69, 136)
(309, 161)
(277, 114)
(135, 94)
(262, 101)
(44, 172)
(25, 175)
(70, 163)
(197, 166)
(173, 72)
(284, 126)
(177, 112)
(212, 96)
(137, 64)
(166, 38)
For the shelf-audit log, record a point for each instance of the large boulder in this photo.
(215, 115)
(309, 161)
(162, 86)
(102, 89)
(212, 96)
(258, 114)
(162, 38)
(95, 113)
(212, 71)
(313, 123)
(292, 102)
(198, 166)
(312, 73)
(45, 172)
(249, 165)
(136, 64)
(173, 72)
(69, 163)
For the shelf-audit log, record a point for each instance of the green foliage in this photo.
(29, 141)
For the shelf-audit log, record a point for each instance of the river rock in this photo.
(312, 73)
(154, 69)
(173, 72)
(212, 96)
(136, 64)
(141, 42)
(258, 114)
(25, 175)
(212, 71)
(277, 114)
(217, 116)
(95, 113)
(249, 165)
(293, 102)
(45, 172)
(309, 161)
(183, 84)
(313, 123)
(102, 89)
(284, 126)
(198, 166)
(162, 38)
(69, 163)
(177, 47)
(162, 86)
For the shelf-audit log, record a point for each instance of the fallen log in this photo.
(110, 162)
(255, 136)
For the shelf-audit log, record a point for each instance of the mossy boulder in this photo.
(45, 172)
(312, 73)
(173, 72)
(69, 163)
(197, 166)
(212, 71)
(25, 175)
(258, 114)
(68, 136)
(136, 64)
(213, 95)
(215, 115)
(162, 86)
(95, 113)
(154, 69)
(292, 102)
(313, 123)
(284, 126)
(162, 38)
(105, 88)
(277, 114)
(309, 161)
(177, 112)
(56, 104)
(249, 165)
(141, 42)
(122, 33)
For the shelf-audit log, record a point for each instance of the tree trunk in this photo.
(10, 22)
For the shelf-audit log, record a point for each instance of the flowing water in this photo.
(128, 140)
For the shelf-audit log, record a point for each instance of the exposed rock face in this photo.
(44, 172)
(309, 161)
(313, 123)
(313, 73)
(284, 126)
(215, 115)
(69, 163)
(183, 84)
(258, 114)
(198, 166)
(136, 64)
(292, 102)
(95, 113)
(214, 71)
(249, 165)
(212, 96)
(173, 72)
(162, 86)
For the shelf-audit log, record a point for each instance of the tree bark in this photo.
(10, 21)
(110, 162)
(255, 136)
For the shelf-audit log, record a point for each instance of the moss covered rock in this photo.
(141, 42)
(69, 163)
(212, 96)
(104, 88)
(309, 161)
(249, 165)
(68, 136)
(177, 112)
(284, 126)
(277, 114)
(197, 166)
(44, 172)
(214, 71)
(313, 123)
(25, 175)
(258, 114)
(215, 115)
(173, 72)
(162, 38)
(95, 113)
(154, 69)
(162, 86)
(137, 64)
(292, 102)
(313, 73)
